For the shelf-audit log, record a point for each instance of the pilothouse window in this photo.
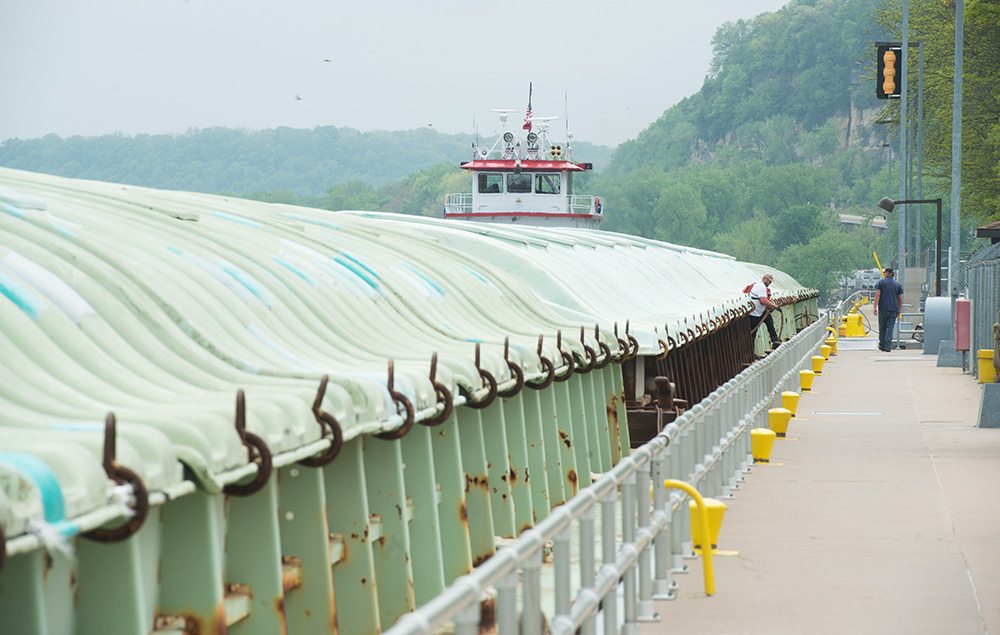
(490, 183)
(547, 184)
(519, 183)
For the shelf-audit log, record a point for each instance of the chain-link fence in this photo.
(982, 277)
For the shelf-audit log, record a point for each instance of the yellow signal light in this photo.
(889, 74)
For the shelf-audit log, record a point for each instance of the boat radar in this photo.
(525, 180)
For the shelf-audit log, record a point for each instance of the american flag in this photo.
(527, 114)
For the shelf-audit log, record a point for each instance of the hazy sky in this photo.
(91, 67)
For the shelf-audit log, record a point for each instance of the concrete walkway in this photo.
(879, 514)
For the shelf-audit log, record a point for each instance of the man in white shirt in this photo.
(760, 293)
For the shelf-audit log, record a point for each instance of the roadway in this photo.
(878, 514)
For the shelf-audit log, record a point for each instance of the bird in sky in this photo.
(297, 98)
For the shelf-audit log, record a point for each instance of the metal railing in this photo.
(708, 446)
(585, 205)
(460, 203)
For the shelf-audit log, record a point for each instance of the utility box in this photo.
(937, 315)
(962, 324)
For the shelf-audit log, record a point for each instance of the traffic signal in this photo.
(888, 63)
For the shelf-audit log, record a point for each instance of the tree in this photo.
(933, 23)
(822, 261)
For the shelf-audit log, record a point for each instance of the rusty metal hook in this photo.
(123, 476)
(257, 452)
(666, 349)
(399, 399)
(443, 395)
(605, 349)
(548, 365)
(515, 371)
(490, 380)
(326, 422)
(590, 352)
(622, 347)
(566, 358)
(634, 342)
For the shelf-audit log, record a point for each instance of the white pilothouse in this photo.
(525, 180)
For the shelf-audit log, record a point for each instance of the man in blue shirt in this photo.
(888, 305)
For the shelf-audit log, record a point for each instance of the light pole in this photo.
(888, 205)
(886, 144)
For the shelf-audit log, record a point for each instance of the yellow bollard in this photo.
(777, 420)
(761, 442)
(790, 401)
(716, 511)
(806, 380)
(818, 364)
(825, 350)
(706, 556)
(854, 327)
(987, 373)
(832, 343)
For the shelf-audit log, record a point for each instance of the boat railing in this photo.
(585, 205)
(460, 203)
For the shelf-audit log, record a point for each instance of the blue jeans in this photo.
(886, 322)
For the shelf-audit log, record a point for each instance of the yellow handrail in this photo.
(706, 533)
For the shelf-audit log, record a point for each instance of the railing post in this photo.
(608, 558)
(507, 605)
(531, 615)
(561, 560)
(467, 621)
(646, 612)
(663, 584)
(628, 540)
(587, 564)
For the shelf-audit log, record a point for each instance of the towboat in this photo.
(524, 178)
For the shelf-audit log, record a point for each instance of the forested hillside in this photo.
(762, 160)
(782, 139)
(214, 160)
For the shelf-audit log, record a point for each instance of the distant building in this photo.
(878, 222)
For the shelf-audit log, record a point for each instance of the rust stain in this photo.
(280, 606)
(478, 482)
(399, 512)
(488, 615)
(463, 513)
(478, 560)
(364, 581)
(219, 620)
(571, 477)
(527, 478)
(513, 476)
(333, 611)
(524, 528)
(564, 437)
